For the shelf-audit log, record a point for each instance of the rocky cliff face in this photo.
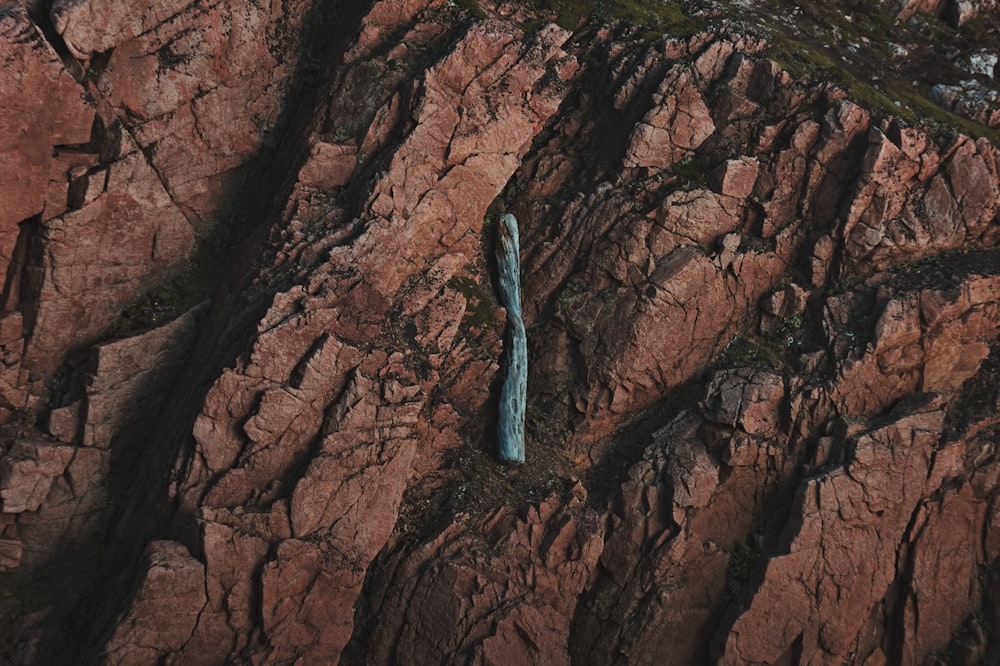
(251, 339)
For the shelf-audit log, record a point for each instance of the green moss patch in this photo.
(480, 306)
(473, 8)
(743, 559)
(663, 17)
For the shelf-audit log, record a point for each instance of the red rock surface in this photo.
(250, 346)
(44, 108)
(67, 307)
(165, 605)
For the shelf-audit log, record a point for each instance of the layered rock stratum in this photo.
(251, 340)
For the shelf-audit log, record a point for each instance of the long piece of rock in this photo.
(510, 430)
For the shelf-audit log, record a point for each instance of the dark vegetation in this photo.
(885, 64)
(657, 17)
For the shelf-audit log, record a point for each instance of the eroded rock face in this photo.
(54, 496)
(164, 608)
(27, 472)
(95, 27)
(326, 364)
(67, 305)
(155, 170)
(762, 325)
(957, 12)
(124, 379)
(890, 466)
(503, 589)
(43, 108)
(677, 125)
(970, 101)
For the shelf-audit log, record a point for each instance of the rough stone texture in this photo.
(907, 8)
(71, 304)
(155, 171)
(749, 400)
(735, 178)
(926, 341)
(943, 587)
(958, 12)
(10, 553)
(864, 506)
(313, 372)
(500, 591)
(959, 198)
(637, 609)
(678, 124)
(43, 108)
(762, 321)
(329, 165)
(26, 474)
(971, 101)
(52, 495)
(93, 26)
(164, 609)
(127, 378)
(176, 83)
(963, 11)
